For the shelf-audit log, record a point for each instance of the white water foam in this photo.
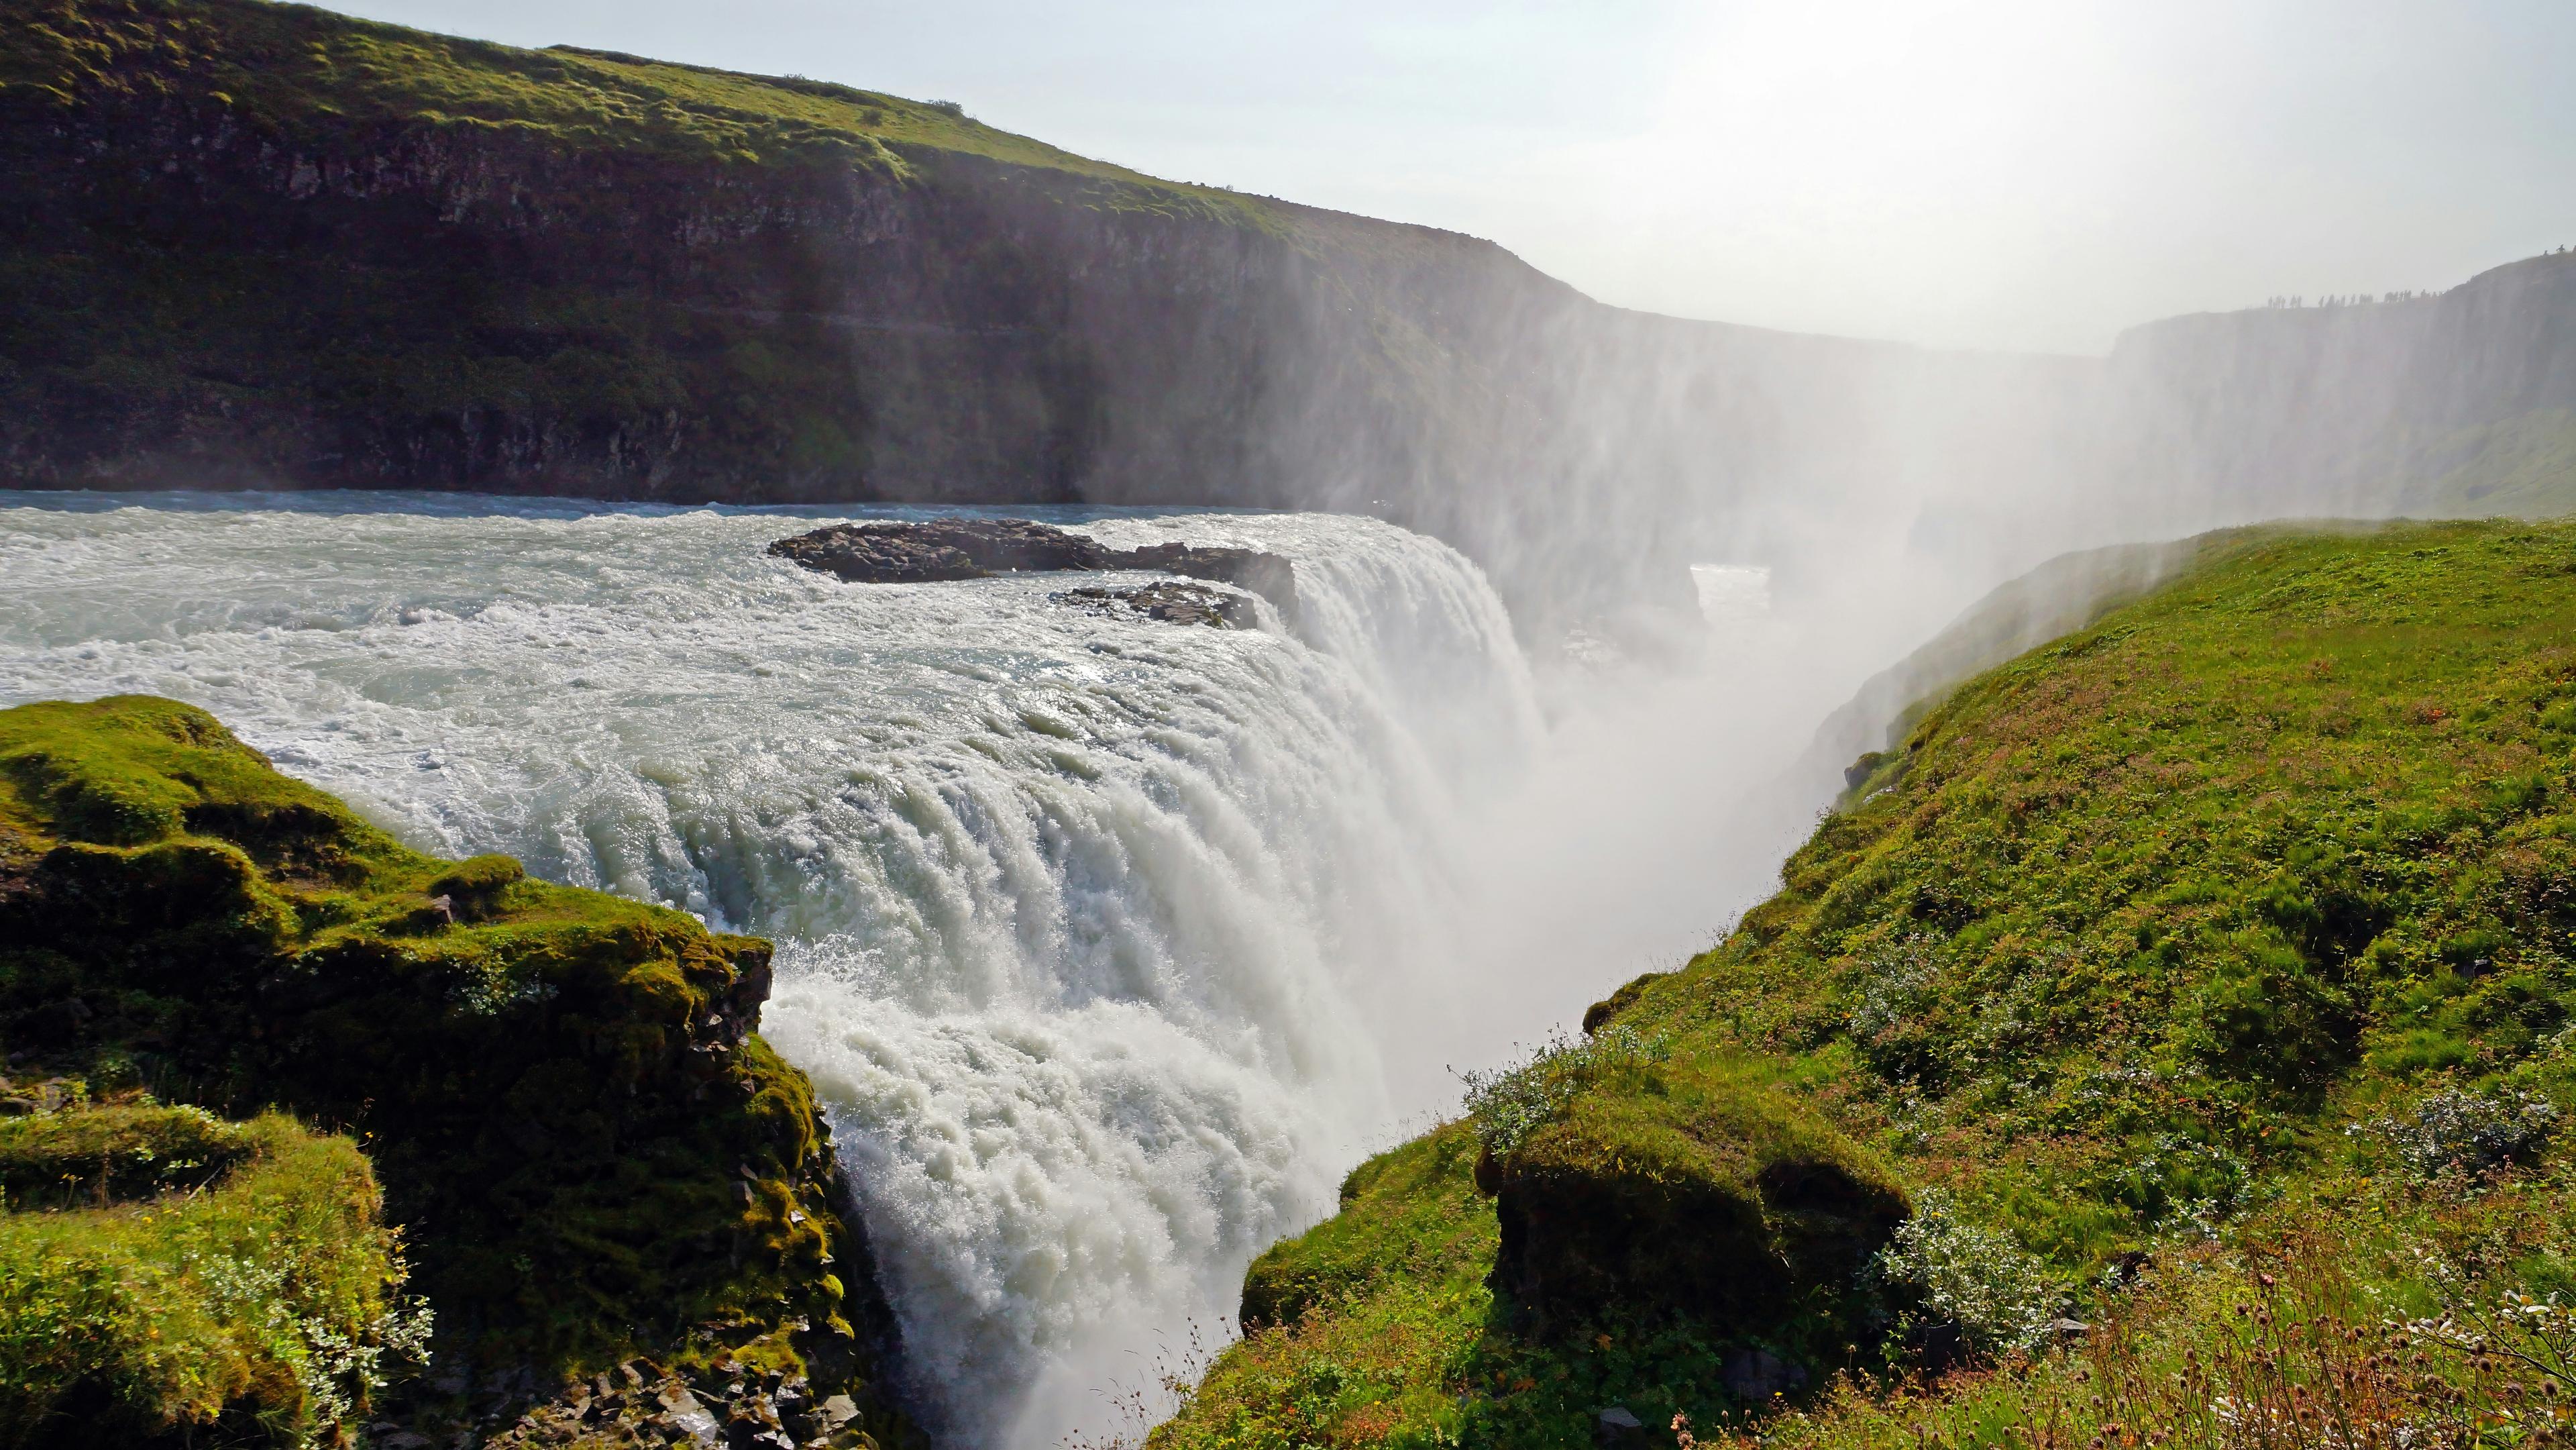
(1089, 926)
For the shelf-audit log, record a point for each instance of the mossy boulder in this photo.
(1687, 1189)
(592, 1153)
(474, 889)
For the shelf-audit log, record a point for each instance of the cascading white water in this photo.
(1083, 920)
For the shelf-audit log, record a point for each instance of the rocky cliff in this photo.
(2448, 403)
(262, 245)
(602, 1174)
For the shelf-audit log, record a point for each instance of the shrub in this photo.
(1508, 1104)
(2473, 1132)
(2001, 1298)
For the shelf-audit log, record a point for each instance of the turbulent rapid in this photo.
(1086, 921)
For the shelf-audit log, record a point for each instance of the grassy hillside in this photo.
(591, 1155)
(2203, 981)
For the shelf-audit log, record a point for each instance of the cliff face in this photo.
(260, 245)
(264, 246)
(255, 251)
(2459, 402)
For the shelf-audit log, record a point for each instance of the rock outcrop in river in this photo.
(943, 549)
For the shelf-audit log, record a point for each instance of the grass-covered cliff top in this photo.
(590, 1155)
(292, 68)
(2204, 980)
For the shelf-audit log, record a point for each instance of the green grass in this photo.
(591, 1156)
(2523, 466)
(2188, 924)
(168, 1276)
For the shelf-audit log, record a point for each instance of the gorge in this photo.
(778, 512)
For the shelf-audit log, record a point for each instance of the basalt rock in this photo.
(944, 549)
(1173, 603)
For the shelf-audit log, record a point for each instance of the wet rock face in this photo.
(1173, 603)
(940, 549)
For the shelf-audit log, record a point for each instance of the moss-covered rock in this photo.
(1694, 1189)
(1405, 1212)
(73, 1159)
(593, 1154)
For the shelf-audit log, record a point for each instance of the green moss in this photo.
(64, 1160)
(592, 1154)
(1414, 1212)
(2110, 948)
(226, 1282)
(477, 883)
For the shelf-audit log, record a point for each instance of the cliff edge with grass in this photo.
(2166, 1041)
(617, 1210)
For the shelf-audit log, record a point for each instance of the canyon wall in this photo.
(256, 245)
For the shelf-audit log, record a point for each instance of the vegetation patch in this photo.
(2212, 963)
(168, 1277)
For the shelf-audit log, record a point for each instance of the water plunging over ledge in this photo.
(1082, 918)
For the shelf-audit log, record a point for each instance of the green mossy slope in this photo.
(169, 1278)
(590, 1154)
(2249, 910)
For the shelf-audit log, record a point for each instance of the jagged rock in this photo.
(681, 1410)
(945, 549)
(1173, 603)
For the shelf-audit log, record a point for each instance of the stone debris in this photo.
(1758, 1375)
(723, 1408)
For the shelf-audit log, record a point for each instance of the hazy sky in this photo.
(2010, 173)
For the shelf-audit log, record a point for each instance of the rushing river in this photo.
(1086, 923)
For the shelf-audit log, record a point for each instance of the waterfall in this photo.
(1079, 916)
